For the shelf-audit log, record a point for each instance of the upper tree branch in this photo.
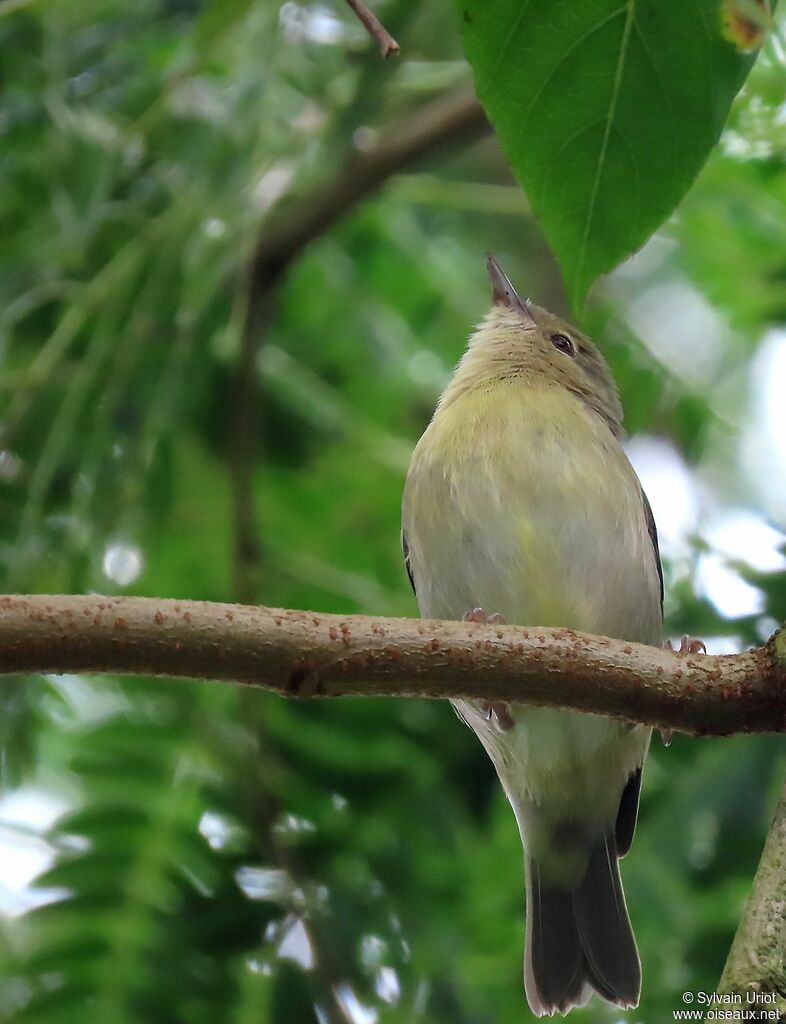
(300, 653)
(457, 117)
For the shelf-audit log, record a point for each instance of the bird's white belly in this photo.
(574, 761)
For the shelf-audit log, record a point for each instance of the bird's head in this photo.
(518, 339)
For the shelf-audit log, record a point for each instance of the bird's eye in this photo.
(563, 343)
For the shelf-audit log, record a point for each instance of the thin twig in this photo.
(303, 654)
(388, 46)
(243, 442)
(263, 815)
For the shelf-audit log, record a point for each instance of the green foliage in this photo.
(606, 112)
(182, 852)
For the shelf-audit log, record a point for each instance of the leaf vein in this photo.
(661, 85)
(629, 22)
(506, 45)
(567, 54)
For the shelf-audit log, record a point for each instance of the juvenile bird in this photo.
(521, 502)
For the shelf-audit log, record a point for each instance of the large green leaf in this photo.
(606, 110)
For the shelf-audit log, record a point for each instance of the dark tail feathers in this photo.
(581, 940)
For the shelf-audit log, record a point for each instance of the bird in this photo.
(521, 506)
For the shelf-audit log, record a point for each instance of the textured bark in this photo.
(755, 969)
(298, 653)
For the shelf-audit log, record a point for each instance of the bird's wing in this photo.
(627, 814)
(653, 532)
(408, 564)
(629, 803)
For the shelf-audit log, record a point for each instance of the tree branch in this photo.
(301, 654)
(297, 221)
(457, 117)
(388, 46)
(755, 969)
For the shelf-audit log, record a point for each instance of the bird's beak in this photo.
(502, 291)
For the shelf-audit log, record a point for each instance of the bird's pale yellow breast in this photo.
(520, 499)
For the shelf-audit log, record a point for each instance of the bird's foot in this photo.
(478, 615)
(492, 709)
(499, 712)
(688, 645)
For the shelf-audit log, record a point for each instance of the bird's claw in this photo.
(478, 615)
(500, 711)
(688, 645)
(492, 709)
